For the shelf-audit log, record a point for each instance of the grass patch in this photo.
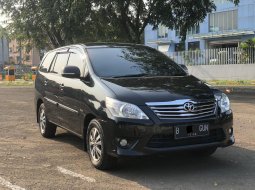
(16, 83)
(232, 82)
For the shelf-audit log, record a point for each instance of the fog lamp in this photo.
(230, 131)
(123, 142)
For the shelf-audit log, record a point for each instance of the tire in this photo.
(47, 129)
(96, 147)
(206, 152)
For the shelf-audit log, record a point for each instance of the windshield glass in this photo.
(132, 61)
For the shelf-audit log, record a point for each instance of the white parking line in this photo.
(10, 185)
(68, 172)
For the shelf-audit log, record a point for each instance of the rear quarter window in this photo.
(47, 62)
(60, 63)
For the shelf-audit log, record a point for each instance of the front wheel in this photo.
(47, 129)
(96, 147)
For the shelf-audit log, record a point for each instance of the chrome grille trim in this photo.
(175, 109)
(181, 111)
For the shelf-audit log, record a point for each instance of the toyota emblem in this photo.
(189, 106)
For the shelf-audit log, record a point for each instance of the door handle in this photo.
(62, 87)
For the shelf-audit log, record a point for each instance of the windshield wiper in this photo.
(134, 75)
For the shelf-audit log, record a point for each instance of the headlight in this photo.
(223, 102)
(124, 110)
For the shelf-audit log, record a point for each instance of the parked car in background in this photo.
(129, 100)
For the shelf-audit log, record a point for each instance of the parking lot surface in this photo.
(28, 161)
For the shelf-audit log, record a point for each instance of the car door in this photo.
(43, 79)
(53, 86)
(70, 98)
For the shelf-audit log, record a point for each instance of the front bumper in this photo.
(151, 138)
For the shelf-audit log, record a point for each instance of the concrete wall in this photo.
(224, 72)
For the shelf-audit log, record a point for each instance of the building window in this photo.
(27, 57)
(193, 46)
(223, 21)
(162, 31)
(218, 2)
(18, 59)
(177, 32)
(18, 48)
(179, 47)
(193, 30)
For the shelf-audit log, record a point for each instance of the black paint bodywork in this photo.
(71, 102)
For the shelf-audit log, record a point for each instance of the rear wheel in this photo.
(47, 129)
(96, 147)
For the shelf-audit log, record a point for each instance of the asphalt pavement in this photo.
(28, 161)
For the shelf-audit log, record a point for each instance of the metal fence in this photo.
(221, 56)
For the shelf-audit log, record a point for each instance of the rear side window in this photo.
(47, 62)
(61, 62)
(75, 60)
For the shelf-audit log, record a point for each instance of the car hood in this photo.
(158, 89)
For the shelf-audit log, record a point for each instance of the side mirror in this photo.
(71, 72)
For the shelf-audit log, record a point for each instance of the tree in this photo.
(60, 22)
(134, 15)
(48, 23)
(250, 43)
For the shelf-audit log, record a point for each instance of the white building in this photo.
(226, 27)
(4, 44)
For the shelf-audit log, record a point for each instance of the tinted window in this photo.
(223, 21)
(11, 72)
(126, 61)
(75, 60)
(60, 63)
(47, 62)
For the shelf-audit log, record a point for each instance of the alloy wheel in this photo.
(42, 121)
(95, 144)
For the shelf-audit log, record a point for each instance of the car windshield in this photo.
(132, 61)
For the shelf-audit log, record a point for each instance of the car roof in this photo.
(105, 44)
(98, 45)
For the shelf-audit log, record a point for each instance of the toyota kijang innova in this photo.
(129, 100)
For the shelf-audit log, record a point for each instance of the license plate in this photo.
(191, 131)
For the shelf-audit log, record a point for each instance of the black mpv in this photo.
(129, 100)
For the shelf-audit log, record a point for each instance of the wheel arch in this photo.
(87, 120)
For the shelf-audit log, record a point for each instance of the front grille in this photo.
(175, 109)
(166, 141)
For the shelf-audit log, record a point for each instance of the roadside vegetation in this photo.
(17, 83)
(232, 82)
